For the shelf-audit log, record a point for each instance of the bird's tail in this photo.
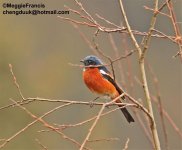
(127, 115)
(125, 112)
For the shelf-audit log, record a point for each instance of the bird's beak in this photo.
(82, 60)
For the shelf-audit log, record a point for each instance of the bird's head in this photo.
(91, 61)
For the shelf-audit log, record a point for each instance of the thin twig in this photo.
(15, 81)
(43, 147)
(126, 144)
(176, 28)
(84, 37)
(160, 8)
(120, 66)
(104, 139)
(109, 22)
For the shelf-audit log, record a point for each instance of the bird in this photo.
(99, 80)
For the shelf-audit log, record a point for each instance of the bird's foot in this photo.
(92, 102)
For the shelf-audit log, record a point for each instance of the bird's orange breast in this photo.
(97, 83)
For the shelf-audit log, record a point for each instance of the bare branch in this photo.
(142, 68)
(126, 144)
(15, 81)
(43, 147)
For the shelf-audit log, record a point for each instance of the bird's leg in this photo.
(92, 102)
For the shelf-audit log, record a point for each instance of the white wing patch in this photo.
(102, 71)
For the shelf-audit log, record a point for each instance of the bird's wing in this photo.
(108, 77)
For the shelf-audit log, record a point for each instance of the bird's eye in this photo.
(89, 61)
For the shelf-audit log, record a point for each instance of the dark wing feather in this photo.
(124, 110)
(110, 79)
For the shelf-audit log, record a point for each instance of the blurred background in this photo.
(40, 49)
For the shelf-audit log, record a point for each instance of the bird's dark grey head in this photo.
(94, 61)
(91, 60)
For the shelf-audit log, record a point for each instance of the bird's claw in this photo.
(91, 103)
(107, 106)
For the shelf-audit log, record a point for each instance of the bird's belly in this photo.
(96, 83)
